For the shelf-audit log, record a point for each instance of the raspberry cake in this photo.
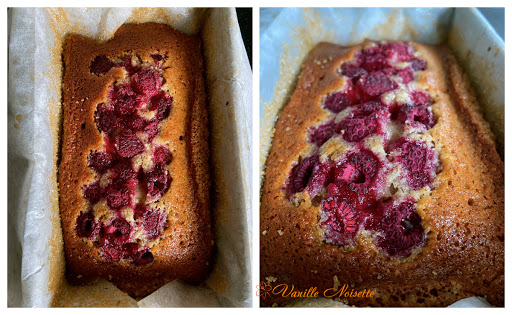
(134, 174)
(384, 176)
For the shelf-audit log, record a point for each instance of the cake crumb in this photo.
(336, 283)
(280, 232)
(264, 232)
(271, 279)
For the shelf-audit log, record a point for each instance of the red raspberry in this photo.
(376, 83)
(322, 133)
(101, 65)
(128, 144)
(100, 161)
(340, 221)
(147, 81)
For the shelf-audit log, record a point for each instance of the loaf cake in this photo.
(383, 176)
(134, 175)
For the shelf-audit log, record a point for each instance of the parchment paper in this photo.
(287, 35)
(34, 236)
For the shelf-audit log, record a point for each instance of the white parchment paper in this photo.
(35, 41)
(287, 35)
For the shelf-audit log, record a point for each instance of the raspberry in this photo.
(321, 134)
(106, 119)
(93, 192)
(367, 119)
(162, 156)
(338, 101)
(157, 182)
(420, 98)
(136, 123)
(358, 129)
(158, 58)
(162, 103)
(406, 74)
(352, 71)
(151, 130)
(358, 171)
(374, 58)
(128, 144)
(418, 64)
(101, 65)
(398, 51)
(376, 83)
(399, 226)
(117, 195)
(109, 253)
(142, 258)
(123, 171)
(417, 159)
(123, 98)
(118, 231)
(153, 221)
(340, 221)
(147, 81)
(100, 161)
(130, 64)
(301, 174)
(319, 177)
(86, 225)
(415, 116)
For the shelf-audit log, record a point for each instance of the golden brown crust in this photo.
(184, 251)
(463, 214)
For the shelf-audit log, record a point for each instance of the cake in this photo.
(134, 174)
(383, 176)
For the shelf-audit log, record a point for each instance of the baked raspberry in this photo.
(352, 71)
(420, 98)
(301, 174)
(122, 171)
(136, 123)
(130, 64)
(151, 129)
(339, 221)
(338, 101)
(123, 98)
(376, 83)
(322, 133)
(128, 144)
(320, 176)
(101, 65)
(142, 258)
(86, 225)
(162, 156)
(105, 118)
(147, 81)
(158, 58)
(418, 161)
(415, 116)
(93, 192)
(418, 64)
(405, 74)
(367, 119)
(358, 171)
(399, 228)
(374, 58)
(118, 232)
(117, 195)
(157, 182)
(399, 52)
(109, 253)
(153, 221)
(162, 103)
(100, 161)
